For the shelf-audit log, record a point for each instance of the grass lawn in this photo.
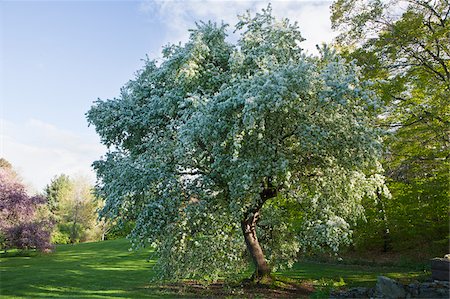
(353, 275)
(108, 270)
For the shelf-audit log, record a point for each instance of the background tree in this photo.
(210, 150)
(58, 192)
(5, 164)
(19, 226)
(404, 48)
(74, 209)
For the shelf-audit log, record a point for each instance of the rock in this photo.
(440, 274)
(389, 288)
(442, 284)
(358, 292)
(447, 256)
(413, 290)
(433, 290)
(440, 264)
(440, 269)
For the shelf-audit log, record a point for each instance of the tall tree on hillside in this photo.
(404, 47)
(19, 227)
(74, 210)
(57, 192)
(209, 149)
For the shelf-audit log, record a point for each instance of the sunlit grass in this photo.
(89, 270)
(353, 275)
(108, 270)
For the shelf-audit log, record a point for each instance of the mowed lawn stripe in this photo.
(89, 270)
(108, 270)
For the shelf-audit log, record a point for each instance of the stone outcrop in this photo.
(387, 288)
(440, 268)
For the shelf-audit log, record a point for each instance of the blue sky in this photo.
(57, 57)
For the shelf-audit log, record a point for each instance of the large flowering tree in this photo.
(221, 146)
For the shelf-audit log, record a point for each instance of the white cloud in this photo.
(38, 151)
(313, 17)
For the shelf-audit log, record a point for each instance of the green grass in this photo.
(108, 270)
(89, 270)
(353, 275)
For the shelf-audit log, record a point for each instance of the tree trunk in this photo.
(248, 225)
(262, 270)
(385, 233)
(74, 234)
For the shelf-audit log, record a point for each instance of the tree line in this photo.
(403, 47)
(65, 212)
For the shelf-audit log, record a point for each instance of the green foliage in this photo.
(280, 222)
(74, 210)
(61, 235)
(58, 191)
(427, 205)
(406, 54)
(119, 230)
(416, 217)
(325, 286)
(205, 142)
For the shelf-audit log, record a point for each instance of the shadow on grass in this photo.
(352, 275)
(91, 270)
(108, 270)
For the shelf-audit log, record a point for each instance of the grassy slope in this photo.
(108, 270)
(89, 270)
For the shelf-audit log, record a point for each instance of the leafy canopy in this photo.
(73, 209)
(197, 142)
(403, 46)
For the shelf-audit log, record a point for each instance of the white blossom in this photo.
(193, 142)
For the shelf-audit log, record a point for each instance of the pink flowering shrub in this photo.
(30, 235)
(19, 227)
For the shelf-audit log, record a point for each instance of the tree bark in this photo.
(74, 233)
(385, 233)
(249, 230)
(248, 225)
